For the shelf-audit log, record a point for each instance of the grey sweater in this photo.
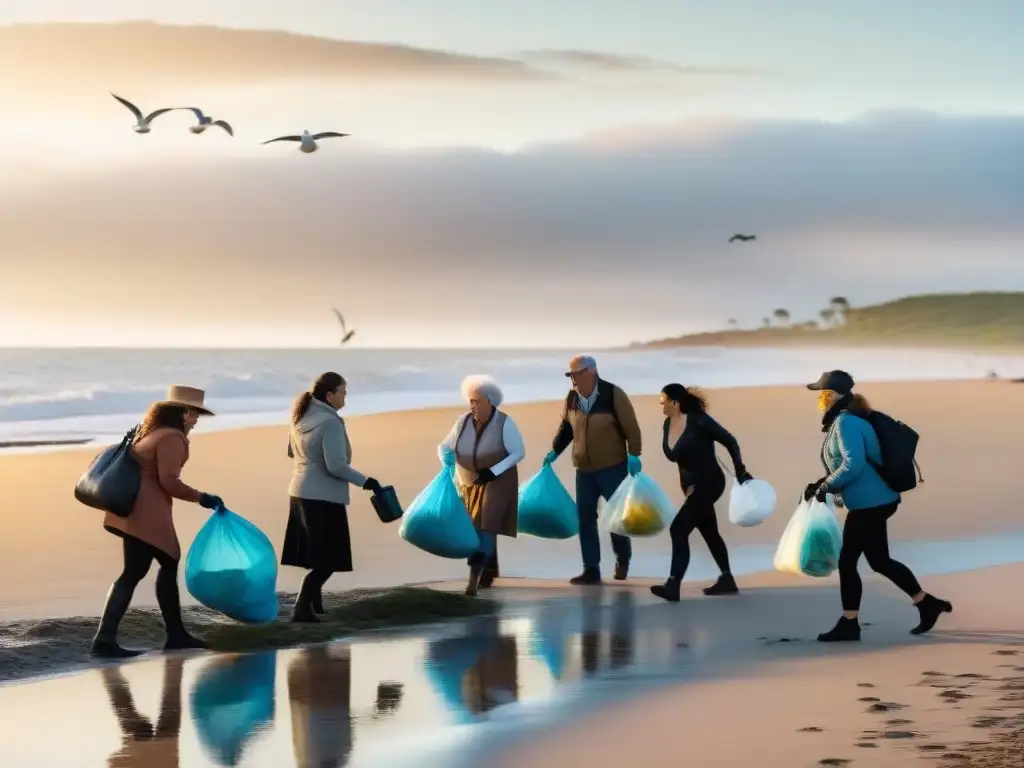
(322, 454)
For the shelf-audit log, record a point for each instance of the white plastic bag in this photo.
(637, 508)
(751, 503)
(811, 542)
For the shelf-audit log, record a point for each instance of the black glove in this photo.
(743, 476)
(820, 495)
(483, 477)
(371, 485)
(811, 490)
(209, 501)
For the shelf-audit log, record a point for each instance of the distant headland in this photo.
(976, 320)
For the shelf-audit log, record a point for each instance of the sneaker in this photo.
(621, 570)
(845, 631)
(931, 608)
(726, 585)
(589, 576)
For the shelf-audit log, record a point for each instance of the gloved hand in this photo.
(743, 477)
(633, 464)
(820, 495)
(209, 501)
(811, 490)
(371, 485)
(483, 477)
(448, 458)
(550, 457)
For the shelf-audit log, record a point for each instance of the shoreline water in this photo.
(91, 397)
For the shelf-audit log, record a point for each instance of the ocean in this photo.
(96, 394)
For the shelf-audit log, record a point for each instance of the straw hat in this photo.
(190, 397)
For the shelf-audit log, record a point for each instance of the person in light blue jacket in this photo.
(850, 453)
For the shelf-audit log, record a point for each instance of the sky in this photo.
(518, 170)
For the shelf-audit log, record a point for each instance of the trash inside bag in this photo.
(637, 508)
(751, 503)
(437, 521)
(811, 542)
(233, 701)
(231, 567)
(546, 509)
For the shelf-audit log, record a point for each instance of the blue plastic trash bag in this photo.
(232, 701)
(548, 637)
(546, 509)
(437, 521)
(811, 542)
(231, 567)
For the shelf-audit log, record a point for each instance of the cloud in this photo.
(60, 58)
(615, 63)
(614, 238)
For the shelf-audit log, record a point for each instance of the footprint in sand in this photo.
(834, 761)
(886, 706)
(866, 745)
(810, 729)
(898, 721)
(865, 685)
(901, 735)
(1006, 652)
(988, 721)
(932, 747)
(954, 695)
(954, 756)
(869, 698)
(974, 676)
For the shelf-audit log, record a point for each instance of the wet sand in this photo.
(57, 560)
(955, 697)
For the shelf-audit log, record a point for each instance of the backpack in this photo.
(898, 441)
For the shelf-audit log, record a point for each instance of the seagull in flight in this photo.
(308, 141)
(346, 334)
(742, 238)
(142, 123)
(205, 122)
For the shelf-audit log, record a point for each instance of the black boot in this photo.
(104, 644)
(169, 600)
(726, 585)
(318, 602)
(589, 576)
(668, 591)
(845, 631)
(930, 609)
(303, 613)
(475, 572)
(621, 570)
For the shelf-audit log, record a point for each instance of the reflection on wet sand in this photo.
(320, 695)
(232, 700)
(142, 745)
(620, 637)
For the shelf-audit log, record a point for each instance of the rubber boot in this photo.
(318, 602)
(104, 644)
(169, 600)
(668, 591)
(930, 608)
(590, 576)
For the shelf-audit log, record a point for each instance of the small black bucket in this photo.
(386, 505)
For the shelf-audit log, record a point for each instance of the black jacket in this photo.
(694, 451)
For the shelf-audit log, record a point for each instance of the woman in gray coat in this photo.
(317, 536)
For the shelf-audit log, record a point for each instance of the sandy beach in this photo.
(59, 562)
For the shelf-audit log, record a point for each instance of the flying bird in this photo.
(307, 141)
(142, 123)
(742, 238)
(206, 121)
(346, 334)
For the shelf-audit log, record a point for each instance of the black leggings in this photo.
(698, 514)
(138, 557)
(866, 533)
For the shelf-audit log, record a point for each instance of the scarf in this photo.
(834, 410)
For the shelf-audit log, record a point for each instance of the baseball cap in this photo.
(837, 381)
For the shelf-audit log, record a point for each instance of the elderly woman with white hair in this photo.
(487, 447)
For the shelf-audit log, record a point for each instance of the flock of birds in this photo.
(307, 141)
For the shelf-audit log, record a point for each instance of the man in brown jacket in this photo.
(599, 421)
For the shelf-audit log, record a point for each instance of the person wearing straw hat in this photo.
(161, 447)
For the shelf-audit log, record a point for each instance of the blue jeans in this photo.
(590, 487)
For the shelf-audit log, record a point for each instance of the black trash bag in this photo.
(386, 505)
(111, 483)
